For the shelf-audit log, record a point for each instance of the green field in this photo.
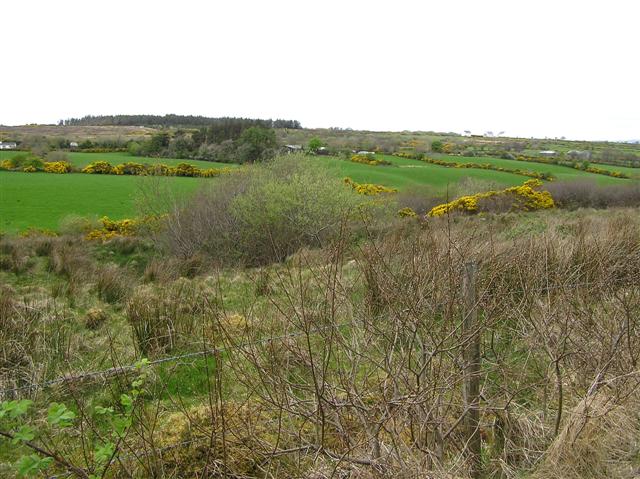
(414, 173)
(41, 200)
(561, 173)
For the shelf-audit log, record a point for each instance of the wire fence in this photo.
(113, 372)
(118, 370)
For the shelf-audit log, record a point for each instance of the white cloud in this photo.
(531, 68)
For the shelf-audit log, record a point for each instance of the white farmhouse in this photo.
(8, 145)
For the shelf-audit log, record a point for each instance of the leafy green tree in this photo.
(437, 146)
(256, 143)
(314, 144)
(158, 142)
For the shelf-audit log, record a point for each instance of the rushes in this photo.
(164, 317)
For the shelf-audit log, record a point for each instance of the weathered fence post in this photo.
(472, 367)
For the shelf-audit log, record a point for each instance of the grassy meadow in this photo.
(40, 200)
(43, 200)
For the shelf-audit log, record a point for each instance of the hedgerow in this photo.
(26, 164)
(159, 169)
(576, 165)
(369, 160)
(480, 166)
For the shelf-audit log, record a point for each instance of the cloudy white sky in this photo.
(528, 67)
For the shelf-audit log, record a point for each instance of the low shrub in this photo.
(369, 160)
(261, 214)
(98, 168)
(368, 189)
(589, 194)
(129, 168)
(112, 228)
(407, 212)
(525, 197)
(419, 198)
(58, 167)
(57, 156)
(75, 225)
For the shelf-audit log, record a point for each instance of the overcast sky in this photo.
(526, 67)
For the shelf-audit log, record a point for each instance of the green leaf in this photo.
(29, 466)
(25, 433)
(15, 408)
(126, 401)
(103, 453)
(60, 415)
(142, 363)
(137, 383)
(120, 425)
(103, 410)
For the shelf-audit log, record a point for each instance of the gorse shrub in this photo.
(98, 168)
(58, 167)
(525, 197)
(368, 189)
(157, 169)
(369, 160)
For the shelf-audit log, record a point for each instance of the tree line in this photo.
(228, 124)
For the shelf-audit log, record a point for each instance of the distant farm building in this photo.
(322, 151)
(548, 153)
(8, 145)
(292, 148)
(73, 144)
(363, 152)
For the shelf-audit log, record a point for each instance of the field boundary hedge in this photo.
(576, 165)
(479, 166)
(128, 168)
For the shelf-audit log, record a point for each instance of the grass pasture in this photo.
(561, 173)
(414, 173)
(41, 200)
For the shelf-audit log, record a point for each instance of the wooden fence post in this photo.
(472, 367)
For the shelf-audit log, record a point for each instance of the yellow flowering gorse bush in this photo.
(525, 197)
(58, 167)
(368, 160)
(368, 189)
(407, 212)
(125, 227)
(158, 169)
